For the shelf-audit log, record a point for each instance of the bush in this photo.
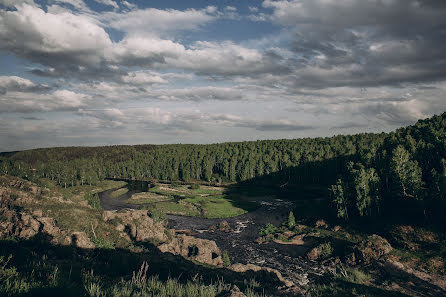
(194, 187)
(93, 200)
(326, 249)
(291, 220)
(225, 258)
(351, 275)
(268, 229)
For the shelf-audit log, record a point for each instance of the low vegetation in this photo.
(119, 192)
(190, 200)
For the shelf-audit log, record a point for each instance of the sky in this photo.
(104, 72)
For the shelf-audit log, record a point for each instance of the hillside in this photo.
(339, 216)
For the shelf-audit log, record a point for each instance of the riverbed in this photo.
(240, 243)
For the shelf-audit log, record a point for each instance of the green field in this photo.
(119, 192)
(202, 201)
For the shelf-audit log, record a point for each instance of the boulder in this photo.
(235, 292)
(372, 248)
(80, 240)
(321, 224)
(245, 267)
(336, 228)
(200, 250)
(139, 225)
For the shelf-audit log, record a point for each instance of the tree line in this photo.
(361, 170)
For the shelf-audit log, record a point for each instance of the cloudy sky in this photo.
(99, 72)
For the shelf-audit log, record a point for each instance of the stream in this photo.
(240, 243)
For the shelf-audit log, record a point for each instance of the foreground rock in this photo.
(139, 226)
(235, 292)
(201, 250)
(371, 249)
(245, 267)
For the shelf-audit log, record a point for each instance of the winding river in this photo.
(240, 242)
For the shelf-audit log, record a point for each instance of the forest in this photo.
(365, 173)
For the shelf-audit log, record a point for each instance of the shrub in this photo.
(326, 249)
(268, 229)
(225, 258)
(93, 200)
(291, 220)
(194, 187)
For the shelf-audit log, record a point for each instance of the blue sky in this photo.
(99, 72)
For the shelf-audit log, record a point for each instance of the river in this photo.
(240, 243)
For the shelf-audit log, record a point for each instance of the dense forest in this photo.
(362, 171)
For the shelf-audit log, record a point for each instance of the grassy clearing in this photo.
(203, 201)
(119, 192)
(147, 197)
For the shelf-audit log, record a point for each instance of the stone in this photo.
(200, 250)
(234, 292)
(245, 267)
(321, 224)
(81, 240)
(372, 248)
(336, 228)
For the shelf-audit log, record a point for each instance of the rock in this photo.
(259, 240)
(138, 225)
(235, 292)
(201, 250)
(336, 228)
(84, 203)
(222, 226)
(314, 254)
(398, 269)
(372, 248)
(321, 224)
(38, 213)
(120, 228)
(245, 267)
(81, 240)
(49, 226)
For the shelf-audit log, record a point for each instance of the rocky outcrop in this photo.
(234, 292)
(25, 186)
(372, 248)
(80, 240)
(18, 223)
(139, 225)
(245, 267)
(201, 250)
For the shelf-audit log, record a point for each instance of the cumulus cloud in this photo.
(364, 43)
(157, 21)
(108, 3)
(188, 120)
(15, 83)
(59, 100)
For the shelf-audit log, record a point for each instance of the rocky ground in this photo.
(298, 258)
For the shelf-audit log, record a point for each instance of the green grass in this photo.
(119, 192)
(203, 201)
(147, 197)
(47, 279)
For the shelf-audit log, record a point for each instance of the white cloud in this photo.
(108, 3)
(143, 78)
(59, 100)
(30, 32)
(156, 21)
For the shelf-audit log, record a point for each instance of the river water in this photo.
(240, 243)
